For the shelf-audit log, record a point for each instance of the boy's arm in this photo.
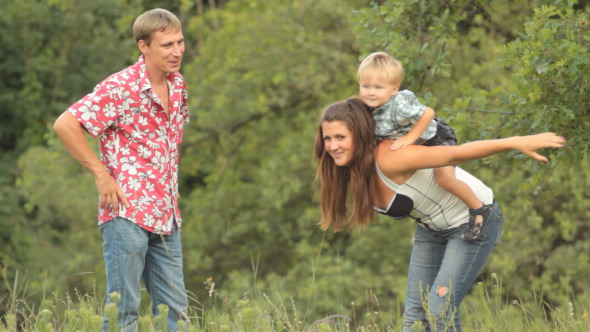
(417, 130)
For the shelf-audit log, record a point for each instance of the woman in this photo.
(449, 251)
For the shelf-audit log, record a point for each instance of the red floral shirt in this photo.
(138, 143)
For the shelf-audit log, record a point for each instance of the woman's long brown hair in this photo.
(356, 178)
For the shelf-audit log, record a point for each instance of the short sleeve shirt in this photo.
(138, 143)
(398, 115)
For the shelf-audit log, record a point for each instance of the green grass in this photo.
(485, 309)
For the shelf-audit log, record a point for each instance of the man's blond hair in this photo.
(152, 21)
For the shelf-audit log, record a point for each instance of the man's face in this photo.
(164, 54)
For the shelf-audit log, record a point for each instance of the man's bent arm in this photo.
(70, 131)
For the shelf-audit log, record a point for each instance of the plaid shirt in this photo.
(138, 143)
(398, 115)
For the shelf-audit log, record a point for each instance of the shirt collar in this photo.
(385, 106)
(144, 80)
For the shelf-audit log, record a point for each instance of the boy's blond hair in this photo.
(381, 65)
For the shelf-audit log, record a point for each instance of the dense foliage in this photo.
(259, 72)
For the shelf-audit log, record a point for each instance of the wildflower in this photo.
(210, 286)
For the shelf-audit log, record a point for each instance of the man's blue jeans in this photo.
(132, 253)
(442, 268)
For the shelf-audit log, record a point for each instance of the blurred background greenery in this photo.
(258, 74)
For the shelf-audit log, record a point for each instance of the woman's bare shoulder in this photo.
(408, 159)
(391, 162)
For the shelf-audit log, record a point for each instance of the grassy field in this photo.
(483, 310)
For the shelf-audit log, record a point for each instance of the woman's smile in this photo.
(338, 141)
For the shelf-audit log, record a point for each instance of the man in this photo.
(138, 115)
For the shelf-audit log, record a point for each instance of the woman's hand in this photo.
(529, 145)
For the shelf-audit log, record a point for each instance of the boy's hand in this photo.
(401, 143)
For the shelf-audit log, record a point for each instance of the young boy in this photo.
(401, 117)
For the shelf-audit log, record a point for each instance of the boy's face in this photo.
(375, 91)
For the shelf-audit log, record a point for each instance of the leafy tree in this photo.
(551, 65)
(523, 82)
(60, 206)
(447, 48)
(257, 88)
(548, 92)
(14, 238)
(43, 43)
(54, 52)
(259, 73)
(493, 81)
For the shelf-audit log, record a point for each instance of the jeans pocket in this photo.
(500, 220)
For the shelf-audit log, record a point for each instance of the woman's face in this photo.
(338, 141)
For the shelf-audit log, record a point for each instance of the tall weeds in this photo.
(485, 309)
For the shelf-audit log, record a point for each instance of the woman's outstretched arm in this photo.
(416, 157)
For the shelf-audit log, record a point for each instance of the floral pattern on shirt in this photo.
(138, 143)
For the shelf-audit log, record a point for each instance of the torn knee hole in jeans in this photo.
(442, 291)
